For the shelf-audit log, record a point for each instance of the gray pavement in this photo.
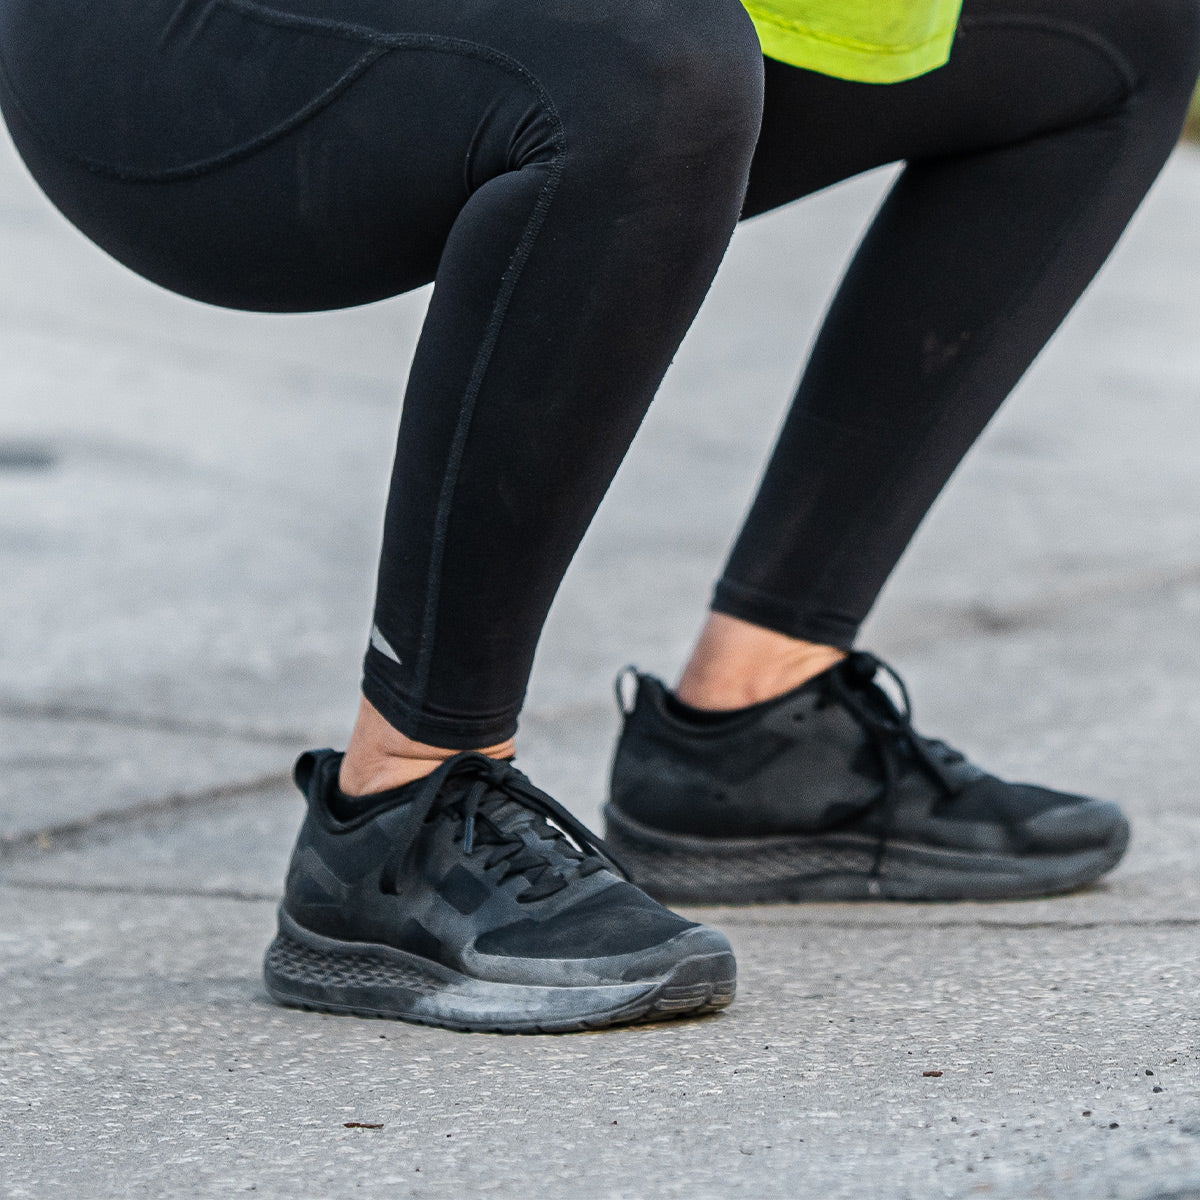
(189, 509)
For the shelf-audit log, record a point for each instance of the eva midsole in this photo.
(305, 967)
(688, 869)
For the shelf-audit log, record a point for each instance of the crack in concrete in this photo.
(965, 621)
(970, 620)
(71, 833)
(85, 714)
(246, 895)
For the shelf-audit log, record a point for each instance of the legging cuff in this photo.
(427, 723)
(785, 616)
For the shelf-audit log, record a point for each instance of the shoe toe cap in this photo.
(1084, 824)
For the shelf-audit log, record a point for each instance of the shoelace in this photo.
(473, 788)
(892, 734)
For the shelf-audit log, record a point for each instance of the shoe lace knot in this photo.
(889, 727)
(543, 843)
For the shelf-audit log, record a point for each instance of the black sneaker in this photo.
(828, 793)
(453, 901)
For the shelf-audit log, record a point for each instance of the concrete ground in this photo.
(190, 503)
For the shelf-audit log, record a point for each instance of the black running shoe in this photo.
(828, 793)
(454, 901)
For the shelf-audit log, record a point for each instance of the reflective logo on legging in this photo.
(383, 645)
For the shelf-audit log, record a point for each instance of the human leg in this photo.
(1026, 155)
(736, 663)
(571, 181)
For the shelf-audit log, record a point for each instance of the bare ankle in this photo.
(379, 757)
(736, 664)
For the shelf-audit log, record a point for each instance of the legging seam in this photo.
(508, 285)
(201, 166)
(227, 157)
(381, 45)
(405, 41)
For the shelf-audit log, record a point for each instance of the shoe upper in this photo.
(834, 755)
(467, 870)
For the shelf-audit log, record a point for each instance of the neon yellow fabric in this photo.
(873, 41)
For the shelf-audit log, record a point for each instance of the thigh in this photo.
(1019, 68)
(248, 161)
(293, 154)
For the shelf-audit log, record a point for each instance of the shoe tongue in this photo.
(509, 817)
(505, 814)
(858, 672)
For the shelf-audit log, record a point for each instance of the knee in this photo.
(706, 66)
(678, 78)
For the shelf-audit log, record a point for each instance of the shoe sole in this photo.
(678, 869)
(305, 970)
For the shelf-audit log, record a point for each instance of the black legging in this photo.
(570, 171)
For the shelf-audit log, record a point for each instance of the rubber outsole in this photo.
(305, 970)
(678, 869)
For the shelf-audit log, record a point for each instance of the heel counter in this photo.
(310, 775)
